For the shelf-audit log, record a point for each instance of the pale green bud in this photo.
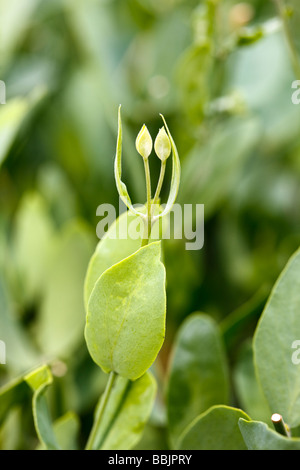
(144, 142)
(162, 145)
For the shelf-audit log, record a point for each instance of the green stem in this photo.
(279, 425)
(160, 181)
(290, 42)
(148, 219)
(100, 412)
(115, 411)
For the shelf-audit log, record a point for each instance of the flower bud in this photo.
(144, 142)
(162, 145)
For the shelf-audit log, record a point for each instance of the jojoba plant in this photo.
(82, 326)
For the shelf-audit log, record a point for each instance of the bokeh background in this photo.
(221, 73)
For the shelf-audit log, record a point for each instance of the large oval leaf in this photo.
(278, 328)
(114, 246)
(216, 429)
(125, 324)
(198, 373)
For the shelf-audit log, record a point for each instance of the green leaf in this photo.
(61, 318)
(248, 391)
(216, 429)
(66, 430)
(125, 324)
(198, 373)
(14, 21)
(219, 163)
(12, 115)
(11, 431)
(194, 70)
(128, 411)
(237, 325)
(114, 246)
(33, 233)
(258, 436)
(121, 187)
(20, 351)
(12, 394)
(196, 65)
(278, 328)
(39, 380)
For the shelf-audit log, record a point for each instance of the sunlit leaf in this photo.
(114, 246)
(125, 325)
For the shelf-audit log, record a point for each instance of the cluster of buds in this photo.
(164, 145)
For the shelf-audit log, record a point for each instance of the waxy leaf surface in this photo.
(125, 324)
(277, 330)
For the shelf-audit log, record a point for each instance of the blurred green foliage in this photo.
(221, 74)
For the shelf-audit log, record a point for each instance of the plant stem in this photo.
(160, 181)
(115, 411)
(279, 424)
(290, 42)
(149, 217)
(100, 412)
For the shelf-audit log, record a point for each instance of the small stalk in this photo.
(290, 42)
(148, 221)
(279, 425)
(160, 181)
(100, 412)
